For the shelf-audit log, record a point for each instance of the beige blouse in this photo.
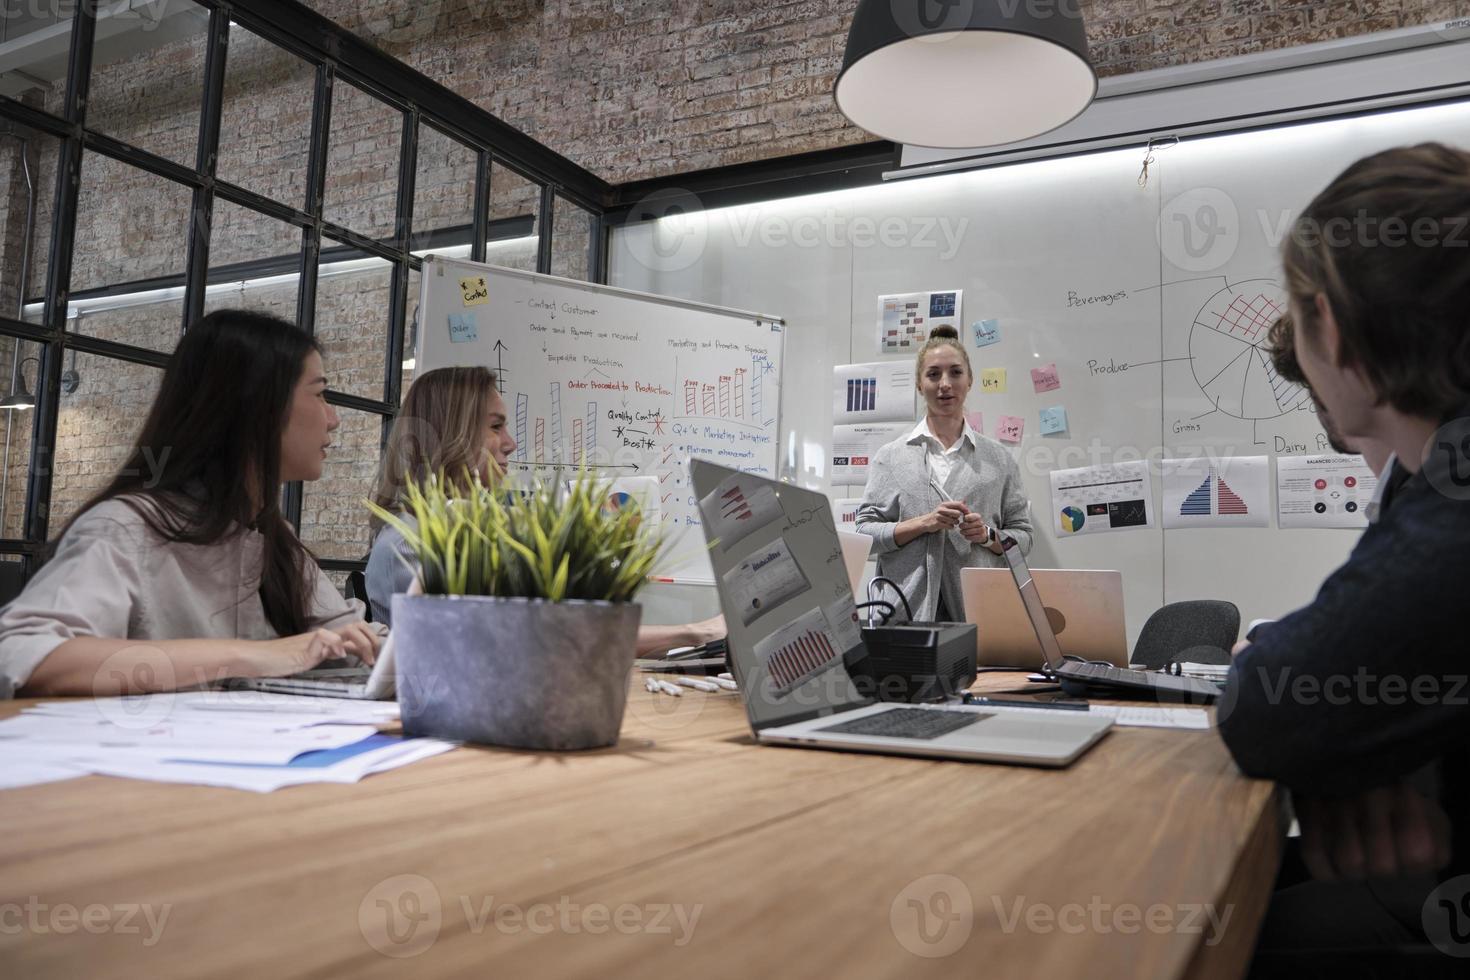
(113, 577)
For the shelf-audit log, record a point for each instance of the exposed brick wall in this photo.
(643, 88)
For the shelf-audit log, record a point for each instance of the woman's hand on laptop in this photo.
(289, 655)
(359, 640)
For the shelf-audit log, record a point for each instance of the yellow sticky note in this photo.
(993, 381)
(475, 290)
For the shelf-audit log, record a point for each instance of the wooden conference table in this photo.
(686, 851)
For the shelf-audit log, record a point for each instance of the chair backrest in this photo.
(1198, 631)
(357, 589)
(12, 580)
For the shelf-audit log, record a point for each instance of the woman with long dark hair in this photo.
(182, 570)
(453, 423)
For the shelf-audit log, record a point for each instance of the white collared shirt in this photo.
(941, 461)
(1375, 505)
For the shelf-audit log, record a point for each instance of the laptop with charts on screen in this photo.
(793, 633)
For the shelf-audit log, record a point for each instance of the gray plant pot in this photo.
(524, 673)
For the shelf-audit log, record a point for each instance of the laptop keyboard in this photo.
(1139, 679)
(920, 723)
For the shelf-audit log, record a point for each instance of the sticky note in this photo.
(462, 328)
(474, 290)
(1053, 420)
(976, 420)
(993, 381)
(1045, 378)
(987, 332)
(1009, 428)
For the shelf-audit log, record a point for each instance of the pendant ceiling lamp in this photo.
(963, 73)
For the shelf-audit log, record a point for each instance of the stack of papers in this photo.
(1132, 716)
(240, 739)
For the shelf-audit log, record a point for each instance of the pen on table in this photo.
(1013, 703)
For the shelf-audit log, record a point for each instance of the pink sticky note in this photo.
(1045, 378)
(976, 420)
(1009, 428)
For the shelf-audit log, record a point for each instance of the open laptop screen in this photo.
(1051, 651)
(785, 593)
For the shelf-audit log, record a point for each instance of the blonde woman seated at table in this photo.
(922, 537)
(453, 421)
(182, 571)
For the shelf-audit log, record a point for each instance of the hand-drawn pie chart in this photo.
(1229, 354)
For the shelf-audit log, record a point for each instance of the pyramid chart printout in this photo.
(1233, 491)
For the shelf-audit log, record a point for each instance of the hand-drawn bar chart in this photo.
(737, 396)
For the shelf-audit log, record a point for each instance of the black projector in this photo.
(916, 661)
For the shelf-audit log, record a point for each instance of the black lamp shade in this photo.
(20, 395)
(964, 73)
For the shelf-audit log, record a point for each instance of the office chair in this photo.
(357, 589)
(1200, 631)
(12, 580)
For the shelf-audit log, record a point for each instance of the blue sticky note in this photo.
(1053, 420)
(987, 332)
(462, 328)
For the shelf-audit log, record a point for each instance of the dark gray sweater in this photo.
(1371, 681)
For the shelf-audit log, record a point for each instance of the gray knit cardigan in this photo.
(985, 477)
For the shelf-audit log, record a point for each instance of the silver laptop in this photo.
(793, 631)
(359, 683)
(1084, 607)
(1078, 677)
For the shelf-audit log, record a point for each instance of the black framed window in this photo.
(103, 403)
(131, 250)
(514, 232)
(265, 118)
(223, 156)
(148, 78)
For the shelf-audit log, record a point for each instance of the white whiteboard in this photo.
(629, 384)
(1029, 244)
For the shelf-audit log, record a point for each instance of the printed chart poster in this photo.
(878, 392)
(1093, 499)
(1323, 491)
(842, 621)
(740, 505)
(1230, 492)
(905, 319)
(854, 446)
(802, 648)
(844, 513)
(640, 491)
(763, 581)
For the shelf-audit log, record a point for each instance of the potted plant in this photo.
(526, 629)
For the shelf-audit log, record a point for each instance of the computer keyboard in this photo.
(920, 723)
